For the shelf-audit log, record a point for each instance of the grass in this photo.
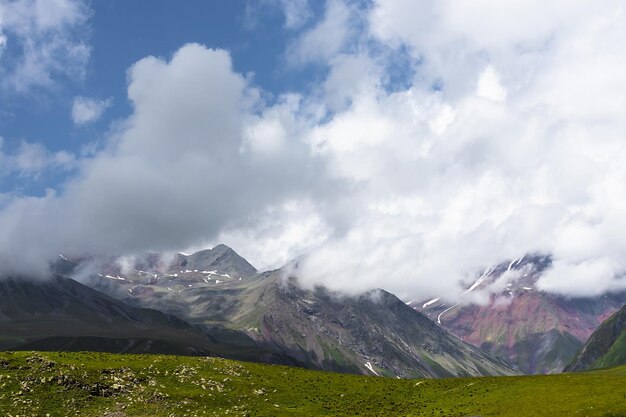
(107, 385)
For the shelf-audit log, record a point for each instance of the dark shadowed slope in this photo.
(62, 314)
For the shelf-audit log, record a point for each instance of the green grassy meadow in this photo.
(108, 385)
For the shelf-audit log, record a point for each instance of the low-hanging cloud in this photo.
(505, 137)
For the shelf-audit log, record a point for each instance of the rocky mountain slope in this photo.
(606, 347)
(375, 334)
(61, 314)
(536, 331)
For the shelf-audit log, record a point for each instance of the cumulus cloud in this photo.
(327, 38)
(176, 174)
(42, 41)
(87, 110)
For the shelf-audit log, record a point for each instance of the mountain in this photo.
(61, 314)
(606, 347)
(536, 331)
(375, 333)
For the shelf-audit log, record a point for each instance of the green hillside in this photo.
(615, 355)
(107, 385)
(606, 346)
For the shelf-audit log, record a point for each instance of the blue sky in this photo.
(119, 33)
(381, 142)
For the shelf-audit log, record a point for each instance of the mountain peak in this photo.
(221, 258)
(223, 248)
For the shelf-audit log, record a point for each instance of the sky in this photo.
(400, 144)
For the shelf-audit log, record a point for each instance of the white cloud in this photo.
(520, 148)
(326, 39)
(42, 41)
(489, 85)
(266, 136)
(33, 159)
(588, 278)
(269, 133)
(87, 110)
(350, 75)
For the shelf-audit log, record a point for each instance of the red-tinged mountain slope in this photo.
(537, 331)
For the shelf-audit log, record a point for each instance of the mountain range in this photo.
(214, 302)
(375, 333)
